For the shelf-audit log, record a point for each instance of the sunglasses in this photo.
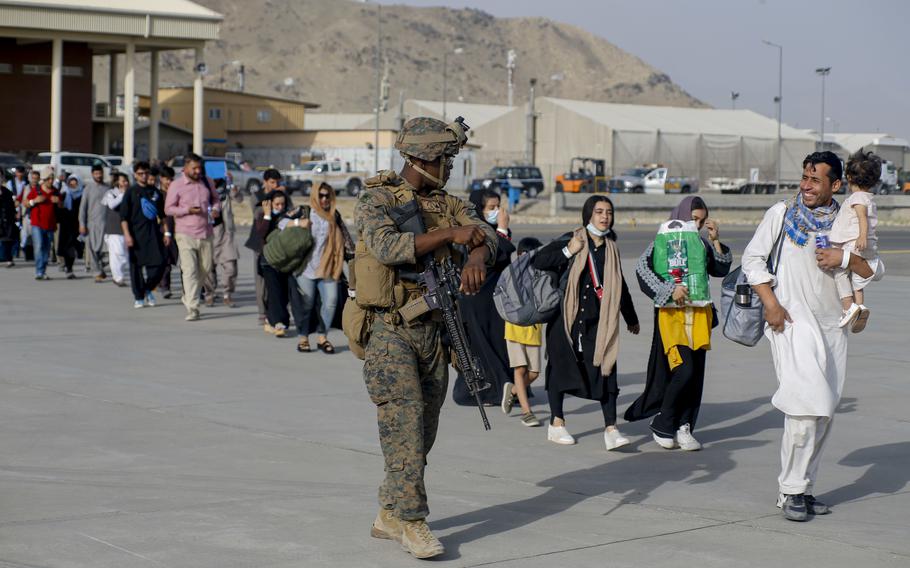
(324, 196)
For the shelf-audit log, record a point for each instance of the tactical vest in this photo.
(378, 286)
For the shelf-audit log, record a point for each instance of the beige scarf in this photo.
(606, 348)
(332, 261)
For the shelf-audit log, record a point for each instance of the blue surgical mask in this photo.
(595, 231)
(492, 216)
(276, 212)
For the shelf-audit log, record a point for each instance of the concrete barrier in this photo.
(736, 209)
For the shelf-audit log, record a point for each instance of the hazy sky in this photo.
(713, 47)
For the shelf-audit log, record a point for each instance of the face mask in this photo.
(276, 212)
(595, 231)
(492, 216)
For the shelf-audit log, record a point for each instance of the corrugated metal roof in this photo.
(161, 19)
(854, 141)
(644, 118)
(476, 115)
(172, 8)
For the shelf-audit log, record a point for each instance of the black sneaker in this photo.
(815, 507)
(794, 507)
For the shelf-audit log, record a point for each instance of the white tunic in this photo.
(810, 355)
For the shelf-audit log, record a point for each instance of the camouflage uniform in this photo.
(405, 368)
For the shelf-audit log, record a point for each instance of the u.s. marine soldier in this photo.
(405, 367)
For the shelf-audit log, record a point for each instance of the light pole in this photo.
(824, 72)
(378, 86)
(733, 96)
(510, 65)
(445, 71)
(779, 99)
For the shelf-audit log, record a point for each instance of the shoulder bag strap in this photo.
(598, 286)
(778, 246)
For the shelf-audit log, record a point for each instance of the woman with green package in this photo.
(682, 329)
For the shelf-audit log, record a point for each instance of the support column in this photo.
(198, 105)
(129, 110)
(112, 88)
(56, 101)
(154, 112)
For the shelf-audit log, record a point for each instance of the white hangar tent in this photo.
(696, 142)
(888, 147)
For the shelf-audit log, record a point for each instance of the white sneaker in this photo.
(614, 439)
(686, 440)
(507, 400)
(850, 315)
(665, 443)
(559, 435)
(150, 300)
(138, 304)
(862, 318)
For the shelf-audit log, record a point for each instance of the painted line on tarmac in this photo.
(904, 251)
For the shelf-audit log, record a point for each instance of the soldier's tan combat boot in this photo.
(386, 526)
(417, 539)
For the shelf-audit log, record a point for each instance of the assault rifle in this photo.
(443, 283)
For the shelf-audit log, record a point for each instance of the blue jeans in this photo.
(42, 241)
(328, 294)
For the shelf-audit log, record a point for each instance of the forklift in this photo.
(585, 175)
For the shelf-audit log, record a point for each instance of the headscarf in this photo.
(71, 194)
(683, 211)
(332, 261)
(479, 199)
(800, 220)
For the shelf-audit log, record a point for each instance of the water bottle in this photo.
(211, 219)
(822, 241)
(743, 295)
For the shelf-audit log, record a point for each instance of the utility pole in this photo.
(378, 86)
(510, 65)
(445, 84)
(733, 96)
(824, 72)
(531, 126)
(779, 99)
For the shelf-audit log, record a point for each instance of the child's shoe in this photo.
(850, 315)
(862, 318)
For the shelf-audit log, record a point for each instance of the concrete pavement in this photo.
(132, 438)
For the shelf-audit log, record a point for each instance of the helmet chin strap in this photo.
(439, 183)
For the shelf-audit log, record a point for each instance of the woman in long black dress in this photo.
(674, 393)
(69, 247)
(583, 341)
(486, 330)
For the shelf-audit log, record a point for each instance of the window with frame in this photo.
(165, 114)
(264, 116)
(6, 68)
(214, 113)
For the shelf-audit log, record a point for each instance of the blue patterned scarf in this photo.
(800, 220)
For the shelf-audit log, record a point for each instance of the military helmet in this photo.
(428, 138)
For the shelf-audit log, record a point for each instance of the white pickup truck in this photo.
(651, 179)
(336, 173)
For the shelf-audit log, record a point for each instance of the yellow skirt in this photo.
(688, 326)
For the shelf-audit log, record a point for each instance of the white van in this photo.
(75, 163)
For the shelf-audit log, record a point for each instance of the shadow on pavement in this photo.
(631, 478)
(888, 472)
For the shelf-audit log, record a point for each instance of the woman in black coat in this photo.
(486, 330)
(69, 245)
(9, 231)
(587, 264)
(674, 395)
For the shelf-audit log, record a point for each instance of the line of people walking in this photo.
(161, 219)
